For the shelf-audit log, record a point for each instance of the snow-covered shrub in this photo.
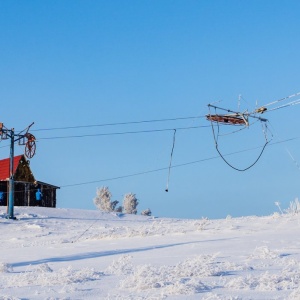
(266, 282)
(201, 224)
(264, 252)
(44, 268)
(130, 203)
(294, 207)
(45, 276)
(114, 204)
(121, 266)
(146, 212)
(103, 200)
(5, 268)
(278, 205)
(183, 278)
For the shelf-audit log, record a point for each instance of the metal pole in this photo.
(11, 176)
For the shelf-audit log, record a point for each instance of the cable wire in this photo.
(222, 156)
(121, 133)
(118, 123)
(166, 168)
(282, 99)
(174, 136)
(285, 105)
(175, 166)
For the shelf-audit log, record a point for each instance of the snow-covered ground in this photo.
(77, 254)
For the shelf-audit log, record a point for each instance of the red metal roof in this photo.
(4, 166)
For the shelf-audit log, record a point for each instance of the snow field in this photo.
(76, 254)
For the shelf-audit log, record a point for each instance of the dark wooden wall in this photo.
(24, 194)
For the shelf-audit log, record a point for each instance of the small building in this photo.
(25, 186)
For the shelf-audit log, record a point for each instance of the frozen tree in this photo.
(130, 203)
(102, 200)
(114, 204)
(146, 212)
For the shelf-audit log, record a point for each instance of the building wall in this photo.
(24, 194)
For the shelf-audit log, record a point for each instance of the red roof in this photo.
(4, 166)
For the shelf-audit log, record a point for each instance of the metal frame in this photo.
(10, 133)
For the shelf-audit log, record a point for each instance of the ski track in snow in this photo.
(76, 254)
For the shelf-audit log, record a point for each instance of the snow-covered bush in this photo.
(114, 204)
(201, 224)
(5, 268)
(44, 276)
(130, 203)
(278, 205)
(146, 212)
(183, 278)
(294, 207)
(121, 266)
(103, 200)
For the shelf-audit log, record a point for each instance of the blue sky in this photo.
(79, 63)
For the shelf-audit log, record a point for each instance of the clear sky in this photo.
(81, 63)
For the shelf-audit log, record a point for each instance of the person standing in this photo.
(38, 197)
(1, 198)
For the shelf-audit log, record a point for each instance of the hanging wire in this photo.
(163, 168)
(85, 231)
(215, 136)
(170, 165)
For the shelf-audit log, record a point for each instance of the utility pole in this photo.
(29, 152)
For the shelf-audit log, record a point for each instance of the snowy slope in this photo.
(76, 254)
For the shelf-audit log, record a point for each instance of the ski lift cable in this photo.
(178, 165)
(165, 168)
(173, 166)
(282, 99)
(119, 123)
(163, 119)
(285, 105)
(263, 108)
(122, 132)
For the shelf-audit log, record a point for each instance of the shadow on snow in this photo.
(91, 255)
